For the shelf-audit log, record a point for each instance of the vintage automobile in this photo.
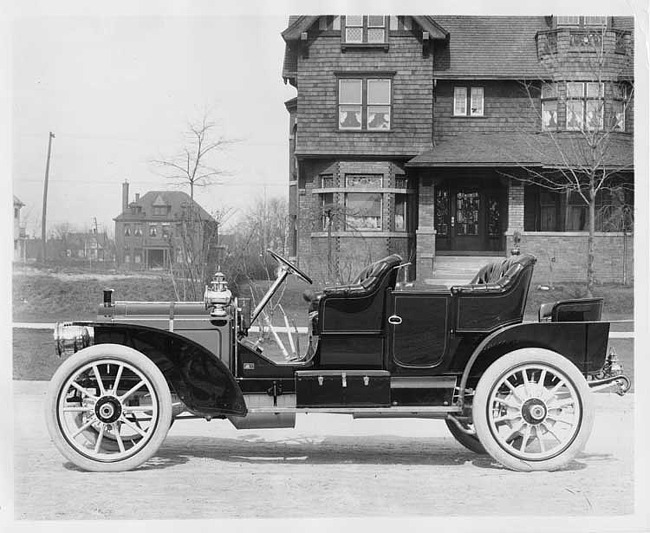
(521, 392)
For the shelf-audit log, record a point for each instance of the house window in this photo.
(160, 210)
(327, 210)
(363, 211)
(400, 212)
(365, 104)
(547, 210)
(127, 230)
(619, 99)
(549, 107)
(137, 256)
(363, 180)
(327, 181)
(127, 256)
(577, 21)
(584, 107)
(476, 102)
(166, 231)
(367, 29)
(153, 230)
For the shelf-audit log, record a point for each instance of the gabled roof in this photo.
(299, 24)
(178, 201)
(489, 47)
(302, 23)
(524, 149)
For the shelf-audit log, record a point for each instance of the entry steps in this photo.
(449, 270)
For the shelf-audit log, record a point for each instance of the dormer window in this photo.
(365, 29)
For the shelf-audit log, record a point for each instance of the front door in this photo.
(469, 218)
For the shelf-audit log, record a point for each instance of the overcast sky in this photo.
(118, 91)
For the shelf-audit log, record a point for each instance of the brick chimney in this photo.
(125, 196)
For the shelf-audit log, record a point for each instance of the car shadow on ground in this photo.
(355, 450)
(331, 450)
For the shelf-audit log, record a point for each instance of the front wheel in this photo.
(533, 410)
(108, 408)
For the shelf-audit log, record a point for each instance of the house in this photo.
(19, 232)
(161, 226)
(432, 137)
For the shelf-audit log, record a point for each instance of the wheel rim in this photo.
(534, 412)
(107, 410)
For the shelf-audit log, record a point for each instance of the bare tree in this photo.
(581, 160)
(194, 251)
(195, 165)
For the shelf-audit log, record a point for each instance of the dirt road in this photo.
(328, 466)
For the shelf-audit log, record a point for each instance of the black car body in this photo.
(519, 391)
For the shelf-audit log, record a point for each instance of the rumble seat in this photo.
(496, 296)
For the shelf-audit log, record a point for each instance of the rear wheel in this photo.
(533, 410)
(108, 408)
(468, 440)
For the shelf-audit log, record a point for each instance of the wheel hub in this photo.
(533, 411)
(108, 409)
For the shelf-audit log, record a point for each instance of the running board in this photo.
(388, 411)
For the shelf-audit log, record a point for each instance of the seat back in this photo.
(360, 305)
(496, 296)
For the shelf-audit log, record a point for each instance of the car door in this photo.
(418, 325)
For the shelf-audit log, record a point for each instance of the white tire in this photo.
(533, 410)
(108, 408)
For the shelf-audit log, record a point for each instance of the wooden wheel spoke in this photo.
(98, 377)
(82, 390)
(134, 427)
(131, 391)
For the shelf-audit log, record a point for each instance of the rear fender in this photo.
(200, 379)
(582, 343)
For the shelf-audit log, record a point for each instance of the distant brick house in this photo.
(149, 231)
(410, 134)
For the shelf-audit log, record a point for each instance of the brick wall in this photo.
(612, 256)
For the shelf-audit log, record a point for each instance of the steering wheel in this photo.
(292, 268)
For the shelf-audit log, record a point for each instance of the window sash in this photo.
(363, 211)
(568, 21)
(363, 180)
(595, 21)
(476, 102)
(618, 115)
(460, 101)
(549, 115)
(400, 212)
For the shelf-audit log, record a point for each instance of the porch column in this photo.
(515, 212)
(426, 233)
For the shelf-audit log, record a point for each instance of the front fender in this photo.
(582, 343)
(200, 379)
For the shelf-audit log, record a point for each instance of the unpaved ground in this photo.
(328, 466)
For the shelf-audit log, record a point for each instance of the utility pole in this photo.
(44, 218)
